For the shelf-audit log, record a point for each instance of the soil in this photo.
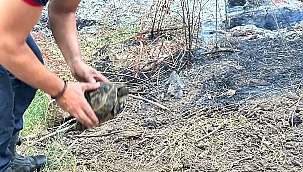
(240, 111)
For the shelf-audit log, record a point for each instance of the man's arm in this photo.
(17, 18)
(16, 21)
(63, 24)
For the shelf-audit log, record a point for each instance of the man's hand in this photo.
(16, 21)
(84, 73)
(74, 102)
(107, 101)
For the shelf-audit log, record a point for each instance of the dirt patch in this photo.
(257, 128)
(261, 68)
(240, 111)
(218, 139)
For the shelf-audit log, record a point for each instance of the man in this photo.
(22, 72)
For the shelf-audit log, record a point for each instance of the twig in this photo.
(194, 113)
(228, 151)
(53, 133)
(149, 101)
(98, 135)
(65, 123)
(297, 102)
(64, 153)
(209, 134)
(158, 156)
(293, 111)
(167, 147)
(69, 147)
(242, 159)
(221, 50)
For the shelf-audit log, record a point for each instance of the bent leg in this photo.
(15, 97)
(6, 118)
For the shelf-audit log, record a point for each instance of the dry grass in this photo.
(257, 135)
(254, 136)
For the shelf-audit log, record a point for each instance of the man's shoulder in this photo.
(36, 2)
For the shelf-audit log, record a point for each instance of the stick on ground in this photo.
(149, 101)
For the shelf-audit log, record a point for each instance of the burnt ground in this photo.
(239, 111)
(262, 68)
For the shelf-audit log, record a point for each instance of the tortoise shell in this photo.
(107, 101)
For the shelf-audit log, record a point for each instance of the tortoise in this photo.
(107, 101)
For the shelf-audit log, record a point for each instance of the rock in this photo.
(89, 29)
(296, 163)
(267, 18)
(236, 2)
(246, 30)
(256, 2)
(267, 143)
(265, 106)
(295, 120)
(176, 85)
(150, 125)
(129, 134)
(230, 93)
(289, 146)
(202, 146)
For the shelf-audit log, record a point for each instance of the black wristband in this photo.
(61, 93)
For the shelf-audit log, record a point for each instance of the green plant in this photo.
(244, 120)
(215, 143)
(35, 117)
(59, 157)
